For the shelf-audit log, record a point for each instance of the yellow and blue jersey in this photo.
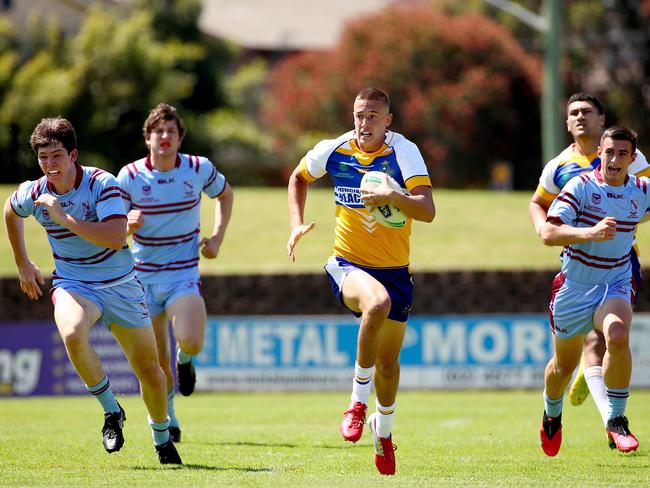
(359, 238)
(569, 163)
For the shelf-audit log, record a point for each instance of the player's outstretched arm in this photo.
(222, 212)
(28, 273)
(297, 199)
(556, 233)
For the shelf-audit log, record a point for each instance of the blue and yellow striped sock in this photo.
(362, 383)
(616, 401)
(104, 394)
(159, 431)
(384, 424)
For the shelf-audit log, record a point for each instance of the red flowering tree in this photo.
(461, 88)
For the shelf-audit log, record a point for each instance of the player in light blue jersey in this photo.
(162, 194)
(594, 218)
(94, 278)
(584, 120)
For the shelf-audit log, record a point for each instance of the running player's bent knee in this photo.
(618, 340)
(152, 375)
(378, 306)
(74, 339)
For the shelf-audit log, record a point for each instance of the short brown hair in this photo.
(51, 131)
(372, 93)
(162, 113)
(620, 133)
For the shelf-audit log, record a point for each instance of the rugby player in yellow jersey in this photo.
(369, 271)
(585, 122)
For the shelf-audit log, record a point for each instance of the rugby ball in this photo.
(387, 215)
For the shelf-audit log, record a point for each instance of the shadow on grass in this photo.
(269, 444)
(204, 467)
(347, 445)
(245, 443)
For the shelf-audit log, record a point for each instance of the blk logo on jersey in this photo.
(166, 181)
(613, 195)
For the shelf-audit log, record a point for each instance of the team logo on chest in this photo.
(385, 167)
(635, 208)
(189, 188)
(146, 190)
(88, 211)
(596, 198)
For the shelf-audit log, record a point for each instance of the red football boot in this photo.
(353, 420)
(384, 449)
(550, 432)
(620, 436)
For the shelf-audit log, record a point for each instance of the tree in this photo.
(462, 89)
(105, 80)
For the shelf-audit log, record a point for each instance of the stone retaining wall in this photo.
(454, 292)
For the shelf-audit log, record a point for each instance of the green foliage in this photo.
(445, 438)
(105, 80)
(456, 81)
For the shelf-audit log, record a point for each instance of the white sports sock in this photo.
(384, 423)
(361, 383)
(596, 384)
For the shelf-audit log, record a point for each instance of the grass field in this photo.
(479, 230)
(291, 439)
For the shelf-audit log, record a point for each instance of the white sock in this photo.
(384, 422)
(361, 383)
(596, 384)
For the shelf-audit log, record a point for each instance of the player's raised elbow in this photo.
(426, 208)
(548, 235)
(116, 244)
(430, 214)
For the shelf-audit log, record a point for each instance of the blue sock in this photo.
(553, 408)
(104, 394)
(159, 431)
(183, 357)
(616, 401)
(173, 421)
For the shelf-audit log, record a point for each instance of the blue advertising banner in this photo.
(33, 361)
(318, 353)
(313, 353)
